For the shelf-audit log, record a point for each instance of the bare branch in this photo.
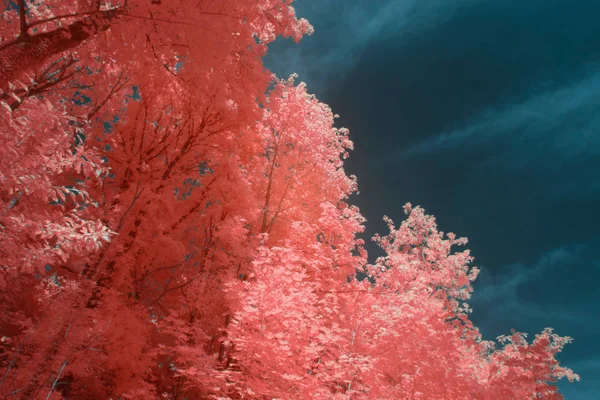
(22, 18)
(137, 195)
(60, 371)
(116, 88)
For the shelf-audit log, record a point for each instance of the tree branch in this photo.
(22, 18)
(64, 16)
(27, 52)
(60, 371)
(116, 88)
(136, 196)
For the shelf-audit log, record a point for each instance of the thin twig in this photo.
(62, 368)
(135, 197)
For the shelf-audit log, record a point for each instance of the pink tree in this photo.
(176, 225)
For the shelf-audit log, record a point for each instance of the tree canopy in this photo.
(176, 224)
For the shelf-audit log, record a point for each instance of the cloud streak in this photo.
(500, 298)
(339, 42)
(563, 124)
(519, 274)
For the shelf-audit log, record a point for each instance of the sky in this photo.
(487, 114)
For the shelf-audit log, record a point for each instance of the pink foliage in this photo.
(40, 165)
(176, 224)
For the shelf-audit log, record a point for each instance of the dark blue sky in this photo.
(487, 114)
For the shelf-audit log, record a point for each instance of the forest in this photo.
(176, 224)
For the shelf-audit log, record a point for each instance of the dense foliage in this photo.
(175, 224)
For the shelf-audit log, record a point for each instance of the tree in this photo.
(285, 322)
(164, 32)
(176, 224)
(420, 334)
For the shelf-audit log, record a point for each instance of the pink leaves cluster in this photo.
(40, 165)
(527, 370)
(419, 256)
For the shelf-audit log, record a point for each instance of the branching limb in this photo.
(22, 18)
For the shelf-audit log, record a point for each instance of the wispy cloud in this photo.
(497, 298)
(562, 124)
(339, 42)
(514, 275)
